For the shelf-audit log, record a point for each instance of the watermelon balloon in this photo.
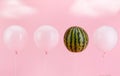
(76, 39)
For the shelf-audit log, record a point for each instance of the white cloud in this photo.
(95, 7)
(15, 9)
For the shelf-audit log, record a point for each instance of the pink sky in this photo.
(59, 61)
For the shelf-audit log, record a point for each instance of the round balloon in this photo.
(76, 39)
(15, 37)
(46, 37)
(105, 38)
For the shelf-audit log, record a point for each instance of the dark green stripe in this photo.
(79, 38)
(71, 40)
(86, 38)
(82, 40)
(66, 37)
(75, 40)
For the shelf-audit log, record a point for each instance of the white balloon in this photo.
(15, 37)
(46, 37)
(105, 38)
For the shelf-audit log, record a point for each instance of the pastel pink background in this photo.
(59, 61)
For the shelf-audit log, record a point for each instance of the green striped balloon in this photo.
(75, 39)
